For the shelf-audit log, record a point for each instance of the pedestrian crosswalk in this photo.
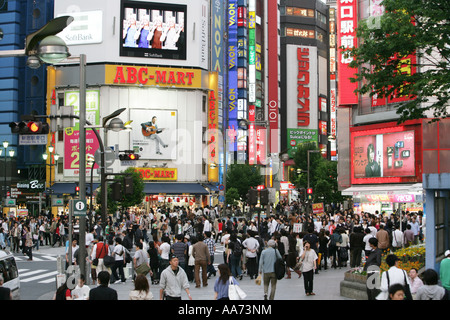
(35, 258)
(39, 276)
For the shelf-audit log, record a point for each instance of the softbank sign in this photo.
(86, 28)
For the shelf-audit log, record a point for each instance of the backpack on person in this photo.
(334, 239)
(280, 268)
(237, 250)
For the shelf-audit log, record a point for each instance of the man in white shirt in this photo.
(415, 227)
(273, 226)
(74, 249)
(206, 225)
(397, 238)
(373, 230)
(252, 246)
(367, 248)
(317, 225)
(392, 276)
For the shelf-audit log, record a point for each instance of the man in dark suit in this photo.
(103, 292)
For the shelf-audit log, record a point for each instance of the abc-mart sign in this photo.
(155, 76)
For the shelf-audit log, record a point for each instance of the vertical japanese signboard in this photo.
(71, 135)
(213, 127)
(346, 35)
(272, 63)
(232, 75)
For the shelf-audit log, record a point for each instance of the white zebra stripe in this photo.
(46, 275)
(26, 274)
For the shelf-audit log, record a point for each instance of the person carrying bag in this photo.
(234, 291)
(140, 261)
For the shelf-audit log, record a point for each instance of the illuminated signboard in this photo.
(153, 76)
(213, 129)
(272, 68)
(298, 136)
(232, 75)
(384, 155)
(346, 35)
(158, 174)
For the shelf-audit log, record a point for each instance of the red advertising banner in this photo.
(251, 135)
(272, 63)
(347, 16)
(72, 151)
(333, 118)
(261, 149)
(318, 208)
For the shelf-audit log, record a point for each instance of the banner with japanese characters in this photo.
(346, 38)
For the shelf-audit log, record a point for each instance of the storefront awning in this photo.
(174, 188)
(383, 189)
(213, 187)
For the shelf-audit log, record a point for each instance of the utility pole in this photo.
(82, 180)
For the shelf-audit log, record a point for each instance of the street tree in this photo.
(128, 200)
(300, 179)
(406, 53)
(232, 196)
(322, 176)
(325, 183)
(242, 177)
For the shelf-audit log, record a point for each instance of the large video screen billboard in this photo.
(384, 155)
(153, 30)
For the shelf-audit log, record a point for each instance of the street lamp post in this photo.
(91, 163)
(309, 152)
(5, 146)
(53, 158)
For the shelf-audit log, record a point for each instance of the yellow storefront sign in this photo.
(158, 174)
(153, 76)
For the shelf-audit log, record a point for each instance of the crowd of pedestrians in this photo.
(174, 247)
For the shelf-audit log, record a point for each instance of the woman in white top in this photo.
(119, 254)
(308, 259)
(81, 291)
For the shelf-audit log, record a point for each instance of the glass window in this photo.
(8, 269)
(444, 133)
(300, 12)
(321, 17)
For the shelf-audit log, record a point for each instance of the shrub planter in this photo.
(354, 286)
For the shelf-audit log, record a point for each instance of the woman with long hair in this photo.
(141, 289)
(222, 282)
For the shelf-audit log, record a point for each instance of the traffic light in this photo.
(310, 193)
(116, 191)
(128, 157)
(302, 194)
(29, 127)
(77, 191)
(128, 183)
(264, 197)
(252, 196)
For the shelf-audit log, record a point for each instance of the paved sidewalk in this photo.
(326, 286)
